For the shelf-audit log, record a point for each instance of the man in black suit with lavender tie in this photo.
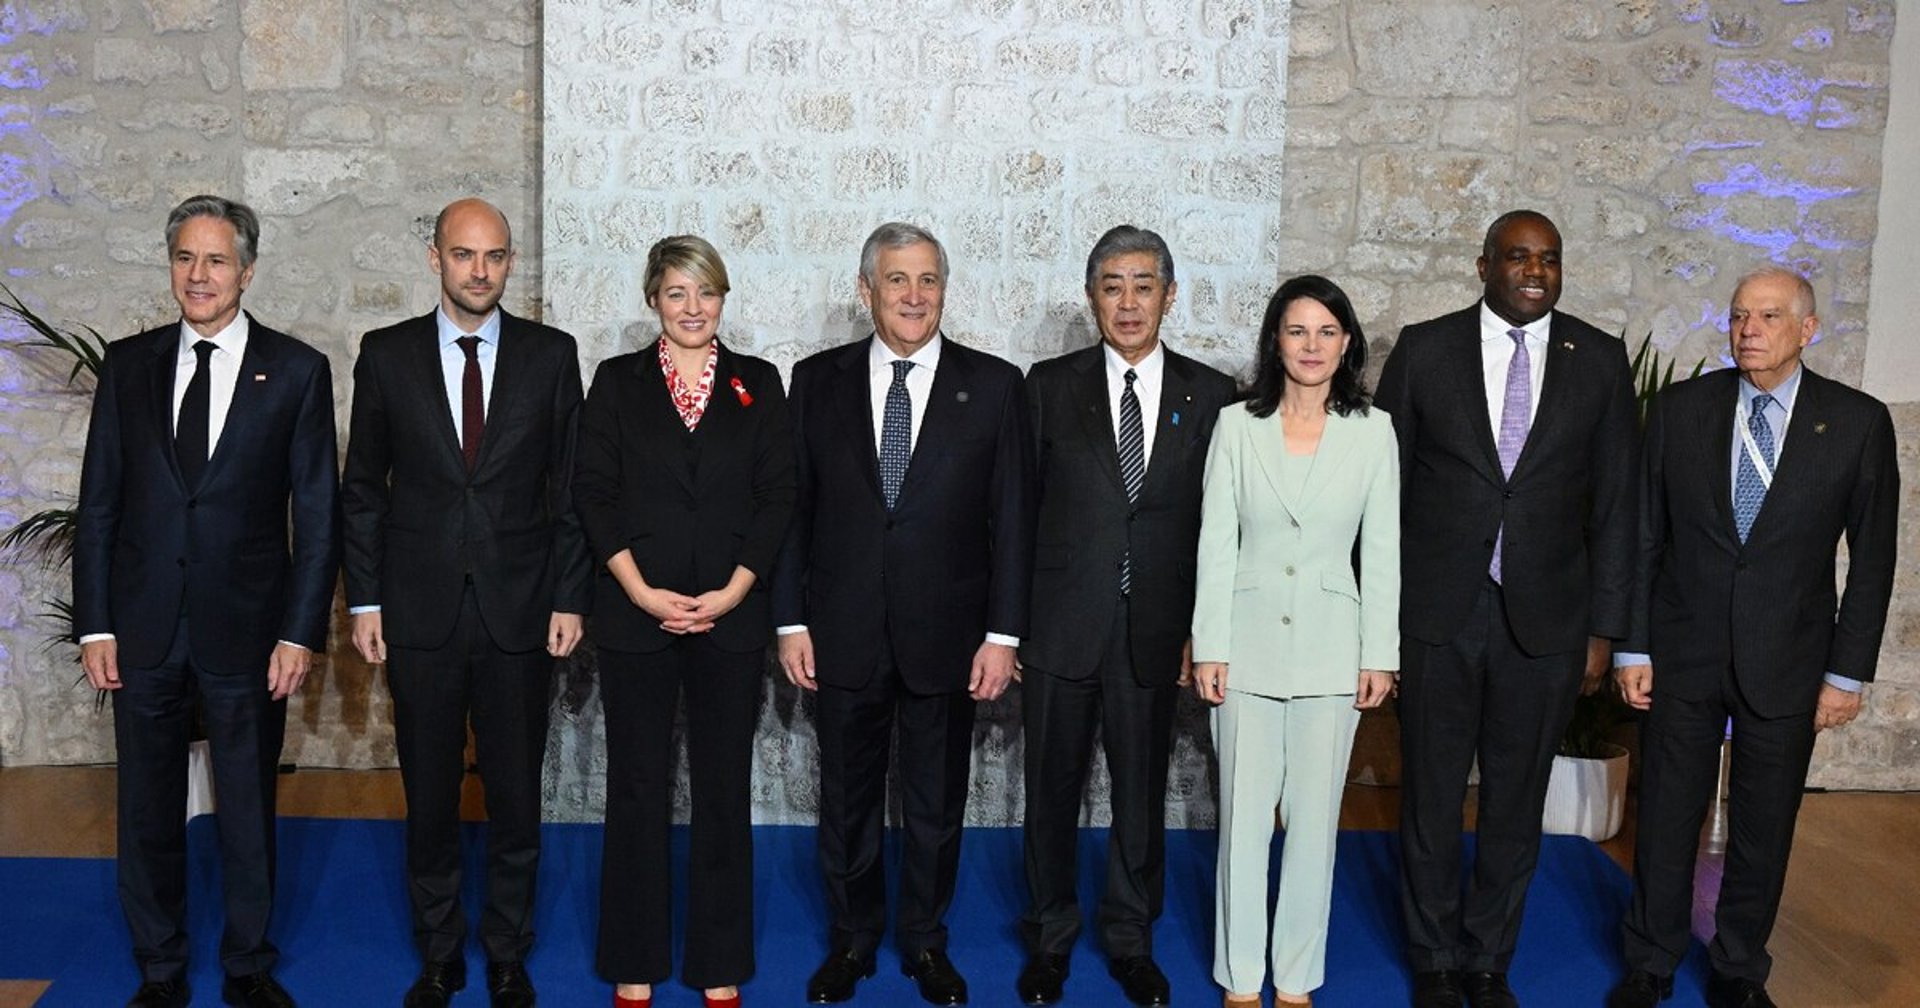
(1517, 439)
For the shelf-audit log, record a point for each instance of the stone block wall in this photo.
(1677, 142)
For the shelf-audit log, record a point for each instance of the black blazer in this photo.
(417, 525)
(1569, 509)
(252, 552)
(688, 527)
(951, 563)
(1086, 524)
(1768, 607)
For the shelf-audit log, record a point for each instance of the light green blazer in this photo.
(1276, 598)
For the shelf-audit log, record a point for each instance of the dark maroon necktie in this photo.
(473, 403)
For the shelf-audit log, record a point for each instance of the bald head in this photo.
(472, 252)
(459, 209)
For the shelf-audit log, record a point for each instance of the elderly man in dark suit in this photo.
(1517, 440)
(1121, 431)
(901, 596)
(1752, 476)
(203, 571)
(467, 574)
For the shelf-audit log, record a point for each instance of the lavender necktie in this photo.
(1514, 421)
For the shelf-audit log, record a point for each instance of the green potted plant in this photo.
(1586, 792)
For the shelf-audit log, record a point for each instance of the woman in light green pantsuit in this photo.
(1288, 642)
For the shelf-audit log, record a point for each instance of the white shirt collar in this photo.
(232, 339)
(880, 357)
(1493, 327)
(1148, 370)
(489, 331)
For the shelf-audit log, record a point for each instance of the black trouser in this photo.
(1679, 770)
(1478, 695)
(152, 726)
(506, 695)
(935, 760)
(640, 693)
(1135, 723)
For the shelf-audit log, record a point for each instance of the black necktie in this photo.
(473, 404)
(190, 429)
(1133, 462)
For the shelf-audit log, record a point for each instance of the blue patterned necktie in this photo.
(1749, 490)
(1133, 462)
(896, 435)
(1514, 421)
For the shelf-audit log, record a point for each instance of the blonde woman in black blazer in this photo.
(684, 487)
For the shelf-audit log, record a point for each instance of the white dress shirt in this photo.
(926, 361)
(1496, 352)
(1146, 388)
(223, 371)
(453, 360)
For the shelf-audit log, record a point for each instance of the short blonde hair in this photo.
(689, 254)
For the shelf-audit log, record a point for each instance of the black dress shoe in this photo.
(1043, 980)
(435, 986)
(508, 985)
(833, 982)
(255, 990)
(939, 982)
(1437, 989)
(162, 994)
(1488, 990)
(1734, 992)
(1640, 989)
(1141, 980)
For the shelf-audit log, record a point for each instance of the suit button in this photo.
(1741, 565)
(1289, 570)
(1286, 621)
(1507, 494)
(180, 561)
(192, 503)
(1488, 544)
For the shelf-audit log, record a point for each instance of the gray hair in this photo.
(246, 226)
(1127, 239)
(1803, 305)
(894, 235)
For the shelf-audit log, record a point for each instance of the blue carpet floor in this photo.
(342, 923)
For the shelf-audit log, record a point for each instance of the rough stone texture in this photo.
(111, 111)
(1678, 143)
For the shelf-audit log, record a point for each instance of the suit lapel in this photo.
(1463, 359)
(1719, 425)
(1800, 455)
(659, 419)
(1269, 439)
(946, 413)
(165, 362)
(1336, 445)
(1175, 418)
(252, 386)
(1554, 380)
(1096, 417)
(512, 361)
(851, 391)
(420, 360)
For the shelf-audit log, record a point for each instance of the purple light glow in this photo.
(1770, 87)
(1749, 178)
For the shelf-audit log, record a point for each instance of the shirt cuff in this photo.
(790, 629)
(1840, 682)
(360, 609)
(90, 638)
(1622, 659)
(1007, 639)
(291, 644)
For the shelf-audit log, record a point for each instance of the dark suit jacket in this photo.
(1569, 508)
(1767, 608)
(251, 552)
(1086, 524)
(951, 563)
(417, 524)
(688, 526)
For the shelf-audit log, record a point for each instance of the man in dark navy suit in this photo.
(1121, 429)
(467, 573)
(900, 596)
(1753, 475)
(203, 571)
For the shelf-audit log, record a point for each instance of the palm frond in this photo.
(46, 534)
(85, 345)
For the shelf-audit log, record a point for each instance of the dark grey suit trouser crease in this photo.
(1478, 695)
(506, 694)
(1135, 725)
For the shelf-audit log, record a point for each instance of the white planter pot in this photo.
(199, 780)
(1587, 797)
